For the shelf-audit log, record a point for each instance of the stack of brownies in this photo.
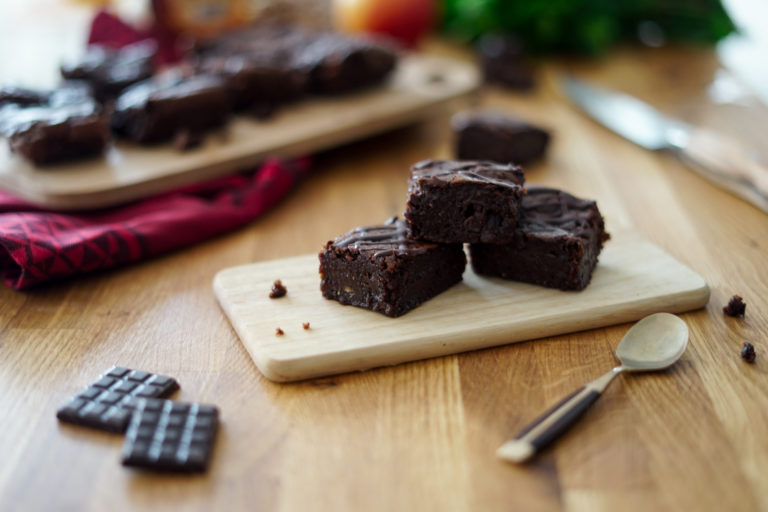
(540, 235)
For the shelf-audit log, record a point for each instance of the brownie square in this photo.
(503, 62)
(109, 71)
(464, 201)
(556, 245)
(156, 110)
(256, 82)
(68, 126)
(491, 136)
(380, 268)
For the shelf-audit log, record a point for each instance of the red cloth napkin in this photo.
(38, 246)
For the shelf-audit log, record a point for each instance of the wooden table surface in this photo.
(419, 436)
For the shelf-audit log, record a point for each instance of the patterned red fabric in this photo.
(38, 246)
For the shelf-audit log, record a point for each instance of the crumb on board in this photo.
(278, 290)
(279, 332)
(305, 325)
(735, 307)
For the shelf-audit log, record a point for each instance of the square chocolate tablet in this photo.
(105, 403)
(557, 243)
(464, 201)
(492, 136)
(170, 436)
(380, 268)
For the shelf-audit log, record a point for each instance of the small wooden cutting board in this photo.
(634, 278)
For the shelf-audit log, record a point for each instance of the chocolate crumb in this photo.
(735, 307)
(748, 352)
(305, 325)
(186, 140)
(279, 332)
(278, 290)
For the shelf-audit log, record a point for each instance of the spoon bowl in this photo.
(654, 343)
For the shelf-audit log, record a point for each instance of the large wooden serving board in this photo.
(633, 279)
(420, 85)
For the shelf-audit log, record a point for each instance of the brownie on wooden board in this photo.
(464, 201)
(61, 125)
(381, 269)
(109, 71)
(492, 136)
(556, 244)
(156, 110)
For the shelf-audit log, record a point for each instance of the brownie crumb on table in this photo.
(279, 332)
(278, 290)
(748, 352)
(305, 325)
(464, 201)
(382, 269)
(556, 245)
(736, 307)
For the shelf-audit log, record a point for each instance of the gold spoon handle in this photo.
(556, 421)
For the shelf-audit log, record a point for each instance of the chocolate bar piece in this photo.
(156, 110)
(170, 436)
(556, 244)
(464, 201)
(491, 136)
(104, 404)
(381, 269)
(110, 71)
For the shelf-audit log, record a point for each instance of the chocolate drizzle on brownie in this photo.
(390, 238)
(502, 175)
(549, 212)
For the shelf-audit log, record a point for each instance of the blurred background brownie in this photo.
(381, 269)
(503, 60)
(464, 201)
(60, 125)
(22, 97)
(156, 110)
(556, 245)
(492, 136)
(109, 71)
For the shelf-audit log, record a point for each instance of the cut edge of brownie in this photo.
(379, 269)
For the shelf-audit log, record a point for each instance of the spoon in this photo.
(654, 343)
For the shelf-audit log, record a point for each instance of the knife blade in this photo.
(714, 156)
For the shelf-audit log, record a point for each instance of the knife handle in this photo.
(727, 163)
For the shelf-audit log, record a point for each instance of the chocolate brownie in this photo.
(338, 65)
(464, 201)
(69, 126)
(330, 63)
(156, 110)
(255, 81)
(491, 136)
(503, 61)
(109, 71)
(556, 244)
(380, 268)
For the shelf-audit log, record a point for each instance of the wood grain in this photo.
(422, 435)
(633, 279)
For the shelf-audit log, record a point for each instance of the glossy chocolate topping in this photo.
(552, 212)
(457, 171)
(389, 238)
